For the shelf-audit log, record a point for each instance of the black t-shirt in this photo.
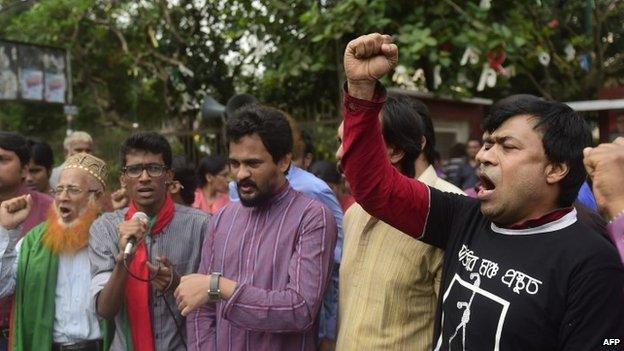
(559, 286)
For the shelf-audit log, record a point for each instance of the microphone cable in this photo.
(163, 295)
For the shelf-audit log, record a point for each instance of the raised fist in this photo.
(15, 211)
(605, 165)
(119, 199)
(367, 59)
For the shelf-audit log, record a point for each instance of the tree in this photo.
(579, 43)
(151, 62)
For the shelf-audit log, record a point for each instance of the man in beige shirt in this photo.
(388, 280)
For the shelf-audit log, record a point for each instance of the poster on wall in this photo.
(33, 72)
(54, 65)
(30, 73)
(8, 71)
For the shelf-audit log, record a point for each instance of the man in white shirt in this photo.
(49, 268)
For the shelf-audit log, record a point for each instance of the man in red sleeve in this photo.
(520, 272)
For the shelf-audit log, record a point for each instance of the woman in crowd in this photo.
(212, 193)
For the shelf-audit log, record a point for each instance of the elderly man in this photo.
(74, 143)
(520, 271)
(49, 268)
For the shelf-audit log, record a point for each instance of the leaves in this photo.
(153, 61)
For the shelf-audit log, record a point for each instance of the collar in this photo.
(429, 176)
(550, 222)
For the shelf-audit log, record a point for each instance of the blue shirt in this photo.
(308, 184)
(586, 197)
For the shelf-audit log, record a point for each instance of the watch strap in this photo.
(214, 293)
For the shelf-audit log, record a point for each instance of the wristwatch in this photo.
(214, 293)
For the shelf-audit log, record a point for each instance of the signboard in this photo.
(70, 110)
(33, 72)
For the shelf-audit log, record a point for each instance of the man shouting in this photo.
(520, 271)
(49, 268)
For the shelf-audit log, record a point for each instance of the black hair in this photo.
(404, 122)
(210, 165)
(429, 133)
(238, 102)
(41, 153)
(149, 142)
(270, 124)
(15, 142)
(308, 142)
(327, 171)
(184, 172)
(564, 135)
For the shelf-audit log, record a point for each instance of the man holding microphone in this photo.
(136, 289)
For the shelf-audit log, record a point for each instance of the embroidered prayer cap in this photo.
(89, 163)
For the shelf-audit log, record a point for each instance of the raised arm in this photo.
(13, 213)
(605, 165)
(377, 186)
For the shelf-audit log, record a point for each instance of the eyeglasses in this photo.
(153, 170)
(71, 191)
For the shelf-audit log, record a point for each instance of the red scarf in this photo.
(137, 292)
(547, 218)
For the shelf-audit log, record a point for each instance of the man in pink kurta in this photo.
(273, 249)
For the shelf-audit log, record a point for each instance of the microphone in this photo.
(141, 216)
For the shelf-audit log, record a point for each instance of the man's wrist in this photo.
(214, 289)
(615, 213)
(613, 210)
(362, 89)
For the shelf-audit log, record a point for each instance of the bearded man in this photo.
(49, 268)
(267, 258)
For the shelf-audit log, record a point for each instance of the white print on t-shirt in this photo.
(477, 304)
(466, 314)
(488, 268)
(467, 258)
(520, 281)
(531, 285)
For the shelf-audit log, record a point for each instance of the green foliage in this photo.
(152, 61)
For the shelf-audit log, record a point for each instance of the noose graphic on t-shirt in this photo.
(466, 315)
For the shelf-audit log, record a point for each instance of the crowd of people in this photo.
(516, 243)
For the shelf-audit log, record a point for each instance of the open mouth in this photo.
(64, 211)
(486, 187)
(246, 186)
